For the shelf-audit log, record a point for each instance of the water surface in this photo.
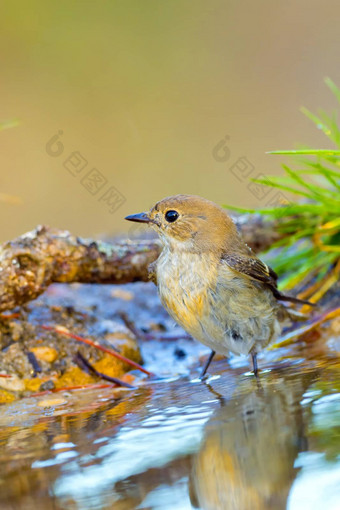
(231, 442)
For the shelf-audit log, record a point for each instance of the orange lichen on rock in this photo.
(74, 376)
(45, 353)
(35, 383)
(6, 397)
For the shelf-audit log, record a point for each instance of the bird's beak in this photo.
(139, 218)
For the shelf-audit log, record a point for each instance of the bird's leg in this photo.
(254, 359)
(207, 363)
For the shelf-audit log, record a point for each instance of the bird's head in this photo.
(191, 223)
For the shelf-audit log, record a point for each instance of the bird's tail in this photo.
(282, 297)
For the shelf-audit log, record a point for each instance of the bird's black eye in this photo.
(171, 216)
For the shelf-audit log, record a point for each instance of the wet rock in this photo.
(47, 385)
(16, 330)
(15, 361)
(45, 360)
(12, 383)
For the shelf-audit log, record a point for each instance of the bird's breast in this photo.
(184, 280)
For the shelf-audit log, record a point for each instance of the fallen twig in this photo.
(8, 316)
(130, 325)
(84, 364)
(111, 352)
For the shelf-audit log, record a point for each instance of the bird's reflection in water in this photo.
(246, 460)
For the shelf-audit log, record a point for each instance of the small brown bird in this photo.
(210, 281)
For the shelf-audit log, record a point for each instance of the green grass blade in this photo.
(331, 85)
(317, 121)
(331, 123)
(308, 152)
(275, 183)
(314, 190)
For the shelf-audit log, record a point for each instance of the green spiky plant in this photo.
(310, 226)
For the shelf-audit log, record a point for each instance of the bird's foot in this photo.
(206, 365)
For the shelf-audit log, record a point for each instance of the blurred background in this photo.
(118, 104)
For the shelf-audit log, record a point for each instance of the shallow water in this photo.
(231, 442)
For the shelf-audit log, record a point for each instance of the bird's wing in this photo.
(253, 268)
